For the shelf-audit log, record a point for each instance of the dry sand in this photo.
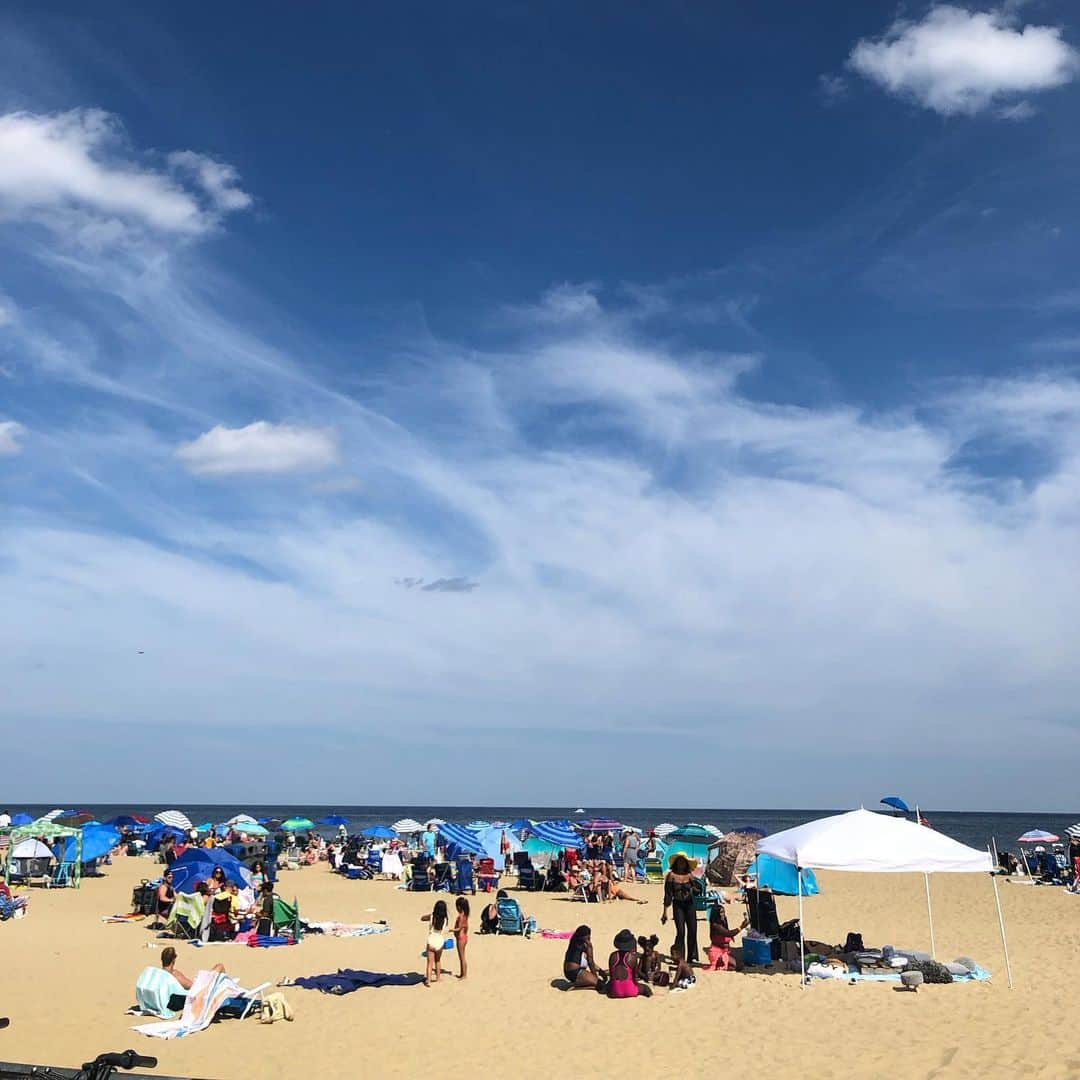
(68, 977)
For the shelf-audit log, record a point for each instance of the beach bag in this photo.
(853, 943)
(274, 1007)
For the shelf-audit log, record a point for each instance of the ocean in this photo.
(976, 829)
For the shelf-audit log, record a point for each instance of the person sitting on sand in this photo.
(720, 938)
(489, 917)
(682, 974)
(579, 967)
(623, 967)
(649, 965)
(168, 962)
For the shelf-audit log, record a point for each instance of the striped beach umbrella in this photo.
(1037, 836)
(664, 828)
(1073, 831)
(174, 818)
(407, 825)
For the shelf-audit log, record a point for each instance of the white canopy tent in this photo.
(863, 841)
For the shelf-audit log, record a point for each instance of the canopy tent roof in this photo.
(861, 840)
(559, 833)
(46, 829)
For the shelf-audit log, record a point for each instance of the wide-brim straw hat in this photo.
(682, 854)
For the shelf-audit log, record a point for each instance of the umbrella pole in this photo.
(1001, 926)
(930, 915)
(802, 938)
(993, 844)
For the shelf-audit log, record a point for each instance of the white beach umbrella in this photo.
(31, 849)
(174, 818)
(665, 828)
(435, 821)
(52, 815)
(241, 819)
(407, 825)
(718, 833)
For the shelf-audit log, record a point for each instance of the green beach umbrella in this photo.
(295, 823)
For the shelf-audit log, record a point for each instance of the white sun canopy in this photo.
(864, 841)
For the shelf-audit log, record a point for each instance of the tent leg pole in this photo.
(802, 936)
(1001, 927)
(993, 844)
(930, 915)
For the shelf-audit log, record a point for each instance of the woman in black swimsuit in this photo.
(579, 967)
(679, 896)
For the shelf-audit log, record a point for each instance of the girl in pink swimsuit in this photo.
(623, 969)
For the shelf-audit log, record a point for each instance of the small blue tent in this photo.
(197, 864)
(782, 877)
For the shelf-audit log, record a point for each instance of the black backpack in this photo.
(853, 943)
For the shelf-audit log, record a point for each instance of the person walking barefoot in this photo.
(461, 934)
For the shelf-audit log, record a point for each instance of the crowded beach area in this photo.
(298, 948)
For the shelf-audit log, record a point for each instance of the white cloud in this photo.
(960, 61)
(74, 170)
(260, 447)
(8, 311)
(10, 433)
(217, 179)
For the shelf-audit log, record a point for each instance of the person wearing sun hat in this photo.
(623, 969)
(679, 897)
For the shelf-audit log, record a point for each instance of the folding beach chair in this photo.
(444, 877)
(465, 880)
(486, 874)
(287, 917)
(510, 920)
(529, 877)
(654, 869)
(186, 917)
(61, 876)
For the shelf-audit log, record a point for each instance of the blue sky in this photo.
(515, 403)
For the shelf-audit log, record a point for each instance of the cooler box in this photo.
(757, 951)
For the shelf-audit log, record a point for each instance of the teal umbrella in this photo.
(295, 823)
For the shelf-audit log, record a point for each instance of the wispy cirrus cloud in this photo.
(961, 62)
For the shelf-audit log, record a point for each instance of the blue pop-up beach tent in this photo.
(97, 840)
(782, 877)
(197, 864)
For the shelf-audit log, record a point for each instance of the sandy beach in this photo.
(69, 977)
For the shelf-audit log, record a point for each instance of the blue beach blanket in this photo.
(346, 980)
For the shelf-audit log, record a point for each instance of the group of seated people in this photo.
(635, 965)
(594, 879)
(230, 905)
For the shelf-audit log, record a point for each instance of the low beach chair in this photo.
(510, 920)
(654, 869)
(61, 876)
(487, 875)
(186, 917)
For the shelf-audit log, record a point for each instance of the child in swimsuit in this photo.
(461, 933)
(682, 977)
(436, 940)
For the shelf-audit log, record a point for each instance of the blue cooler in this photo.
(757, 951)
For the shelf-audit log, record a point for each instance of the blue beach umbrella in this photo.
(897, 803)
(21, 819)
(197, 864)
(379, 832)
(334, 819)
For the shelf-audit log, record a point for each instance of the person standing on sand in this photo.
(631, 845)
(436, 940)
(679, 897)
(461, 934)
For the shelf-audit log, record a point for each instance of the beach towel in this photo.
(209, 991)
(557, 935)
(130, 916)
(346, 980)
(335, 929)
(154, 988)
